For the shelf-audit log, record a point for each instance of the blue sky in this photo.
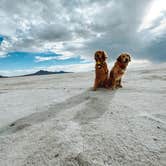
(63, 35)
(1, 39)
(29, 60)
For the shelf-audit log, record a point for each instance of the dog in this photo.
(101, 70)
(118, 70)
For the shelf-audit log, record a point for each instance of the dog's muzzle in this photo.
(126, 60)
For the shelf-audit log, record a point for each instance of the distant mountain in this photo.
(40, 72)
(3, 76)
(44, 72)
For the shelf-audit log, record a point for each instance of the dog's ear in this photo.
(96, 56)
(129, 57)
(119, 59)
(104, 55)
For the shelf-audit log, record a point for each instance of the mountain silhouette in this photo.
(44, 72)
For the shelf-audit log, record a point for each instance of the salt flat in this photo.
(58, 120)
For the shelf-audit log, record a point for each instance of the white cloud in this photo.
(41, 59)
(4, 47)
(155, 11)
(79, 28)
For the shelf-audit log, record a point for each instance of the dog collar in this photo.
(100, 64)
(122, 66)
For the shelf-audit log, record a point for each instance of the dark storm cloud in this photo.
(81, 26)
(156, 50)
(52, 32)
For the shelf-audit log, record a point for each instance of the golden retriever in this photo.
(101, 70)
(118, 70)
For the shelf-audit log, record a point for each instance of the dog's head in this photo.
(100, 56)
(124, 58)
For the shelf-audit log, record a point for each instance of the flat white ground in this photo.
(57, 120)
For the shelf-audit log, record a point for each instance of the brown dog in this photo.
(101, 70)
(118, 70)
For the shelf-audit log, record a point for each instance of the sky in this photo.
(64, 35)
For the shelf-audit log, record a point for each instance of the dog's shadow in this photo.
(97, 103)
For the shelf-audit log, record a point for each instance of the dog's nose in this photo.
(126, 60)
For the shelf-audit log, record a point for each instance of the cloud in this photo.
(155, 15)
(79, 28)
(5, 45)
(41, 59)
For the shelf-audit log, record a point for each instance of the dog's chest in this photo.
(120, 73)
(100, 71)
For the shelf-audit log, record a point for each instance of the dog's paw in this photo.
(94, 89)
(113, 88)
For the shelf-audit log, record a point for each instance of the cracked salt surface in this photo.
(58, 120)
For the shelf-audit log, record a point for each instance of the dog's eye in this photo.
(96, 56)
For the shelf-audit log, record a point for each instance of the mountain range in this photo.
(40, 72)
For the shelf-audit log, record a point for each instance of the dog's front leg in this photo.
(120, 83)
(113, 83)
(96, 85)
(106, 83)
